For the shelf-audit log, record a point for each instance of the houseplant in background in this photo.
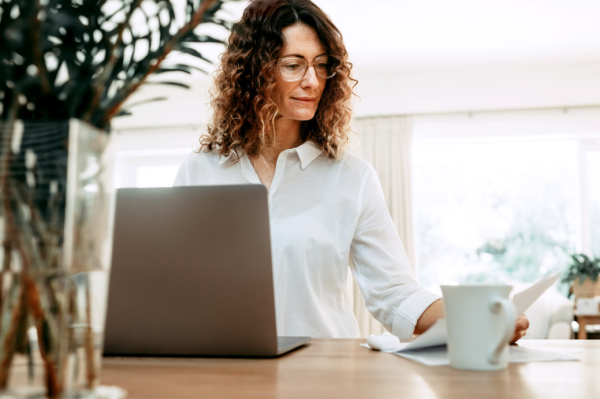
(67, 68)
(582, 274)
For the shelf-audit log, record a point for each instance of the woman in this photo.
(281, 104)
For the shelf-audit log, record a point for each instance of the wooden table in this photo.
(329, 368)
(585, 321)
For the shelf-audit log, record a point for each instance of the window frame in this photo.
(584, 241)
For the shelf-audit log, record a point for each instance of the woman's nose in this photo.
(310, 79)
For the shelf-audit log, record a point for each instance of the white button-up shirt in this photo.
(327, 218)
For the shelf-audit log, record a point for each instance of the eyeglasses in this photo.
(293, 69)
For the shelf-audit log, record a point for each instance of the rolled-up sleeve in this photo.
(380, 265)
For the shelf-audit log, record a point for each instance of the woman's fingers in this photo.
(522, 323)
(521, 327)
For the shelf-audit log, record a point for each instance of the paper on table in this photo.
(435, 335)
(519, 354)
(432, 356)
(438, 355)
(522, 300)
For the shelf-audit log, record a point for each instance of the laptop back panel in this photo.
(191, 273)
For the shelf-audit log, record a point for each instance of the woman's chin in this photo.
(303, 115)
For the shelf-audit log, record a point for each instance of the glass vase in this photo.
(55, 223)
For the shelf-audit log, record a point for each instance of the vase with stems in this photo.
(67, 68)
(55, 189)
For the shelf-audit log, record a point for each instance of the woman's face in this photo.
(299, 100)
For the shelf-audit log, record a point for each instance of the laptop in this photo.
(192, 274)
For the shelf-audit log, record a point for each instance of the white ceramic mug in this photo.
(480, 320)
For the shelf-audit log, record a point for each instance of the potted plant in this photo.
(583, 276)
(67, 67)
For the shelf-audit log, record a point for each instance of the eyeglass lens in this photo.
(294, 68)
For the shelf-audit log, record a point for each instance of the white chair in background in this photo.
(550, 317)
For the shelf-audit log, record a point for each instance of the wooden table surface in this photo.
(340, 368)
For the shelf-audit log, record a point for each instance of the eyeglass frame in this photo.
(308, 65)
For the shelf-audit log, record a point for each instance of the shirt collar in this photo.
(234, 155)
(308, 152)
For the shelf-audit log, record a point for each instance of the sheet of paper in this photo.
(431, 356)
(519, 354)
(438, 355)
(435, 335)
(522, 300)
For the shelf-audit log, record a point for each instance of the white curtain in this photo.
(385, 142)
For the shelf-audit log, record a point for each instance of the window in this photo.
(494, 211)
(156, 175)
(155, 168)
(150, 157)
(593, 178)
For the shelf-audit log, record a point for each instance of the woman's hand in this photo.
(521, 327)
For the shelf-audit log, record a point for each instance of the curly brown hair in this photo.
(244, 113)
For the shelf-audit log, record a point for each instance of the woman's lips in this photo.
(305, 100)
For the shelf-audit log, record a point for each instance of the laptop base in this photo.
(286, 344)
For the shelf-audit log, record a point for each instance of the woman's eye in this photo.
(292, 67)
(322, 65)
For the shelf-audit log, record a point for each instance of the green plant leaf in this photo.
(150, 100)
(83, 37)
(185, 86)
(172, 69)
(582, 269)
(193, 52)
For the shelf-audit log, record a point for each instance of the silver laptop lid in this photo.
(191, 273)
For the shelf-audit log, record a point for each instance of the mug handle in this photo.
(510, 317)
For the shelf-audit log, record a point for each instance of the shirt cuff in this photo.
(409, 312)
